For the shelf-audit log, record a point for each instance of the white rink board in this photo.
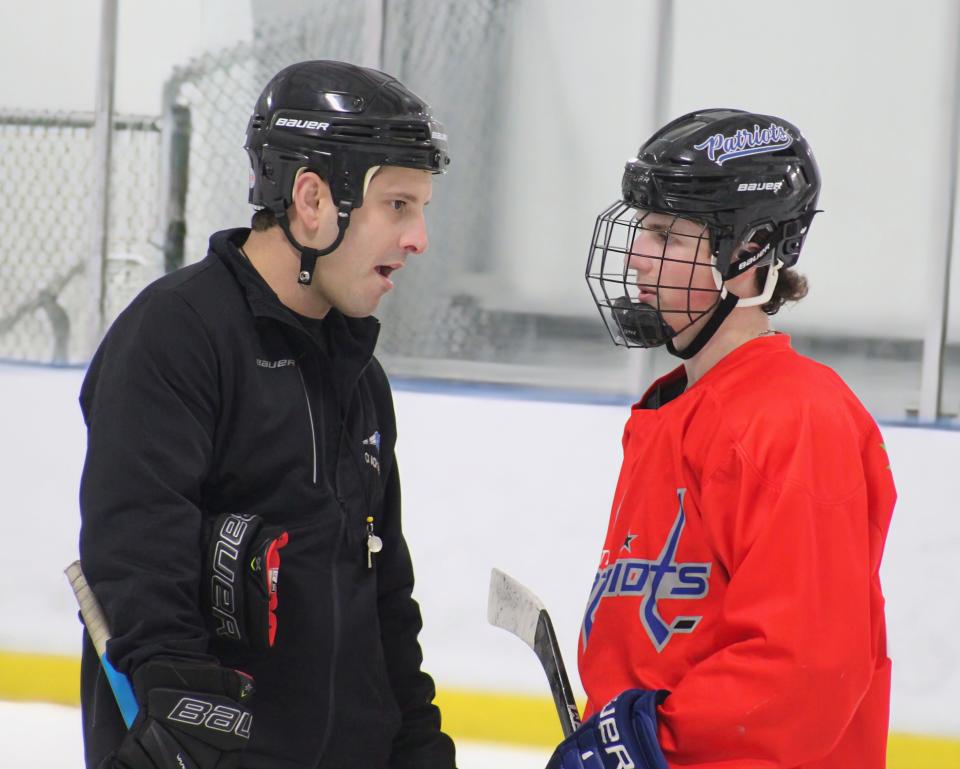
(521, 485)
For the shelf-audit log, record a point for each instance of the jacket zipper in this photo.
(334, 581)
(313, 428)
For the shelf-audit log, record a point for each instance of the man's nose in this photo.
(414, 238)
(641, 256)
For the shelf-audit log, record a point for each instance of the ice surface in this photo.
(39, 736)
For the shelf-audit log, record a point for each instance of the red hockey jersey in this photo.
(740, 569)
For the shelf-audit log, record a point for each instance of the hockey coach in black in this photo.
(240, 498)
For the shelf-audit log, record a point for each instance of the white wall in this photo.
(579, 103)
(521, 485)
(870, 85)
(49, 49)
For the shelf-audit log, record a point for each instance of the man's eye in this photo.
(398, 205)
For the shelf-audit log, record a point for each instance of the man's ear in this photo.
(311, 199)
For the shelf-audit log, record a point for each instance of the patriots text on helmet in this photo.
(721, 148)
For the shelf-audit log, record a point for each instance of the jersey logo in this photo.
(720, 148)
(652, 581)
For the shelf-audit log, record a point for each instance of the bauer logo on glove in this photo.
(241, 580)
(623, 735)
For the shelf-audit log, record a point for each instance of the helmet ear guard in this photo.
(275, 171)
(778, 247)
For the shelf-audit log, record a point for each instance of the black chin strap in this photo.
(709, 329)
(309, 256)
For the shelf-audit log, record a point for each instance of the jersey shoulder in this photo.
(779, 387)
(791, 417)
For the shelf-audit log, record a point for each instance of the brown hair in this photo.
(263, 219)
(791, 287)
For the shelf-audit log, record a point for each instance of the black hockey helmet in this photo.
(745, 178)
(750, 177)
(338, 120)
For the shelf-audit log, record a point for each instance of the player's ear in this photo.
(312, 200)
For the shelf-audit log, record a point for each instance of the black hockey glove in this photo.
(191, 716)
(623, 734)
(240, 581)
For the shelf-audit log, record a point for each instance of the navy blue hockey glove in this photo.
(192, 716)
(622, 735)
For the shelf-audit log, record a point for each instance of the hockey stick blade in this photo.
(517, 610)
(96, 623)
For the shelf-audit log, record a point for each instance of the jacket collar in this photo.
(350, 338)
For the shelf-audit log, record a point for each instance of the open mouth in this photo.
(386, 270)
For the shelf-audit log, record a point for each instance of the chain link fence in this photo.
(456, 57)
(177, 178)
(47, 184)
(181, 176)
(220, 89)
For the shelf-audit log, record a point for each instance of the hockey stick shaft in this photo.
(517, 610)
(96, 624)
(548, 652)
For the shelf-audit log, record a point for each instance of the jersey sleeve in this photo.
(797, 525)
(149, 405)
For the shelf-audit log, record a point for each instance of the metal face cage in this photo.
(642, 270)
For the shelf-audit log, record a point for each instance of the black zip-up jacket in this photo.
(208, 396)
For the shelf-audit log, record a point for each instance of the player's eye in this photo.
(398, 205)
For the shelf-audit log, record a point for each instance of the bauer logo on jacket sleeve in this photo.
(652, 580)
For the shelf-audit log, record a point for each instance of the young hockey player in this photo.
(736, 619)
